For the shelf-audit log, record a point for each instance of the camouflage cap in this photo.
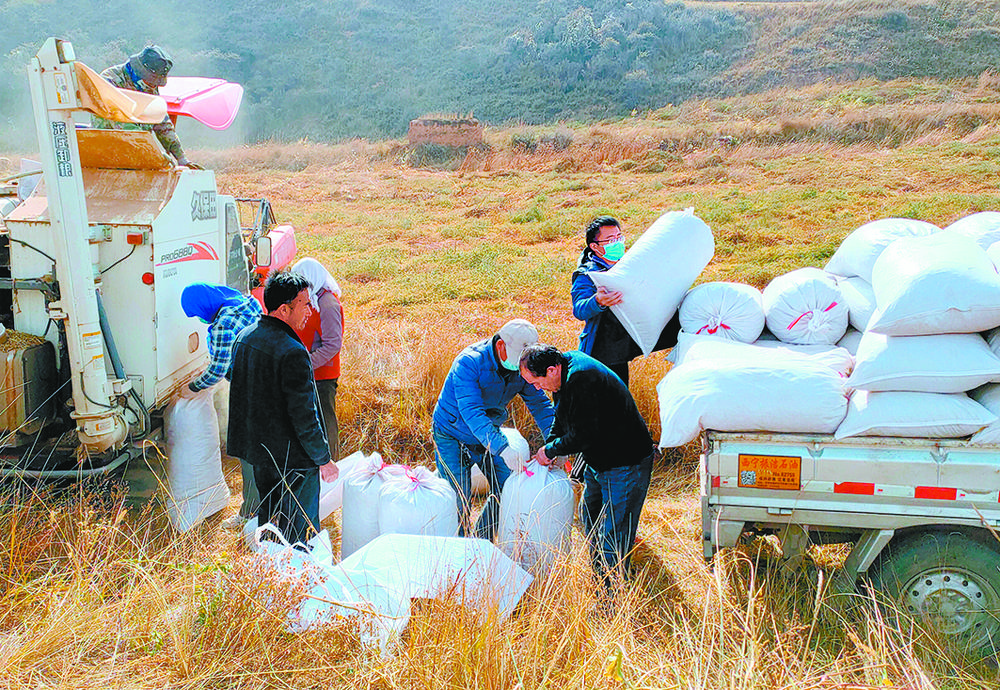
(152, 65)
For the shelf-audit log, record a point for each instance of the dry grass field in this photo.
(431, 259)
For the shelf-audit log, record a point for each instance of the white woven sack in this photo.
(850, 341)
(417, 503)
(989, 397)
(916, 415)
(983, 227)
(197, 488)
(860, 299)
(805, 307)
(656, 272)
(692, 348)
(728, 310)
(536, 514)
(360, 502)
(857, 254)
(783, 395)
(520, 446)
(947, 363)
(944, 283)
(993, 251)
(331, 494)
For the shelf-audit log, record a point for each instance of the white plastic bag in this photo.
(948, 363)
(656, 272)
(417, 503)
(194, 468)
(520, 446)
(728, 310)
(784, 394)
(859, 296)
(983, 227)
(359, 524)
(918, 415)
(944, 283)
(858, 252)
(536, 514)
(805, 307)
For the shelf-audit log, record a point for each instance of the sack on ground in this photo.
(732, 311)
(944, 283)
(360, 515)
(784, 394)
(949, 363)
(331, 494)
(197, 488)
(857, 254)
(417, 503)
(917, 415)
(536, 514)
(520, 446)
(805, 307)
(656, 272)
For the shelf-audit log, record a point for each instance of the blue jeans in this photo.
(610, 508)
(454, 461)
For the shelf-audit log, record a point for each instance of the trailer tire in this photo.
(948, 581)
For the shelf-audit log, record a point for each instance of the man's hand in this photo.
(607, 298)
(328, 472)
(541, 458)
(184, 162)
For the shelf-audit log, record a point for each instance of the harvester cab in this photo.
(92, 265)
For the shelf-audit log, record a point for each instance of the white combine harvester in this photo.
(98, 256)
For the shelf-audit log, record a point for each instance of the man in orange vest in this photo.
(323, 336)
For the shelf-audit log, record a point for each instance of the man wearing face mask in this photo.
(146, 72)
(481, 383)
(603, 336)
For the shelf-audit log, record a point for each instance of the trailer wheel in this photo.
(948, 581)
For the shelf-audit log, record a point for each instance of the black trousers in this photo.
(289, 499)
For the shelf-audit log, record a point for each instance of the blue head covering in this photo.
(204, 301)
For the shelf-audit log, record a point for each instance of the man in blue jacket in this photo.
(596, 416)
(273, 420)
(470, 409)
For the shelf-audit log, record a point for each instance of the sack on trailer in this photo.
(943, 283)
(691, 348)
(917, 415)
(656, 272)
(732, 311)
(805, 307)
(857, 254)
(947, 363)
(784, 394)
(859, 295)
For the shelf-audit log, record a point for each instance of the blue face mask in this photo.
(508, 365)
(614, 251)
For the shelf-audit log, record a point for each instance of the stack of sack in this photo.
(730, 374)
(906, 298)
(920, 297)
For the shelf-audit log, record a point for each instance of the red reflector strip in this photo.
(939, 492)
(862, 488)
(716, 482)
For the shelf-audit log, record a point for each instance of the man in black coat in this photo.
(596, 416)
(273, 418)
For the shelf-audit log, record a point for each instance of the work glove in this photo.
(512, 459)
